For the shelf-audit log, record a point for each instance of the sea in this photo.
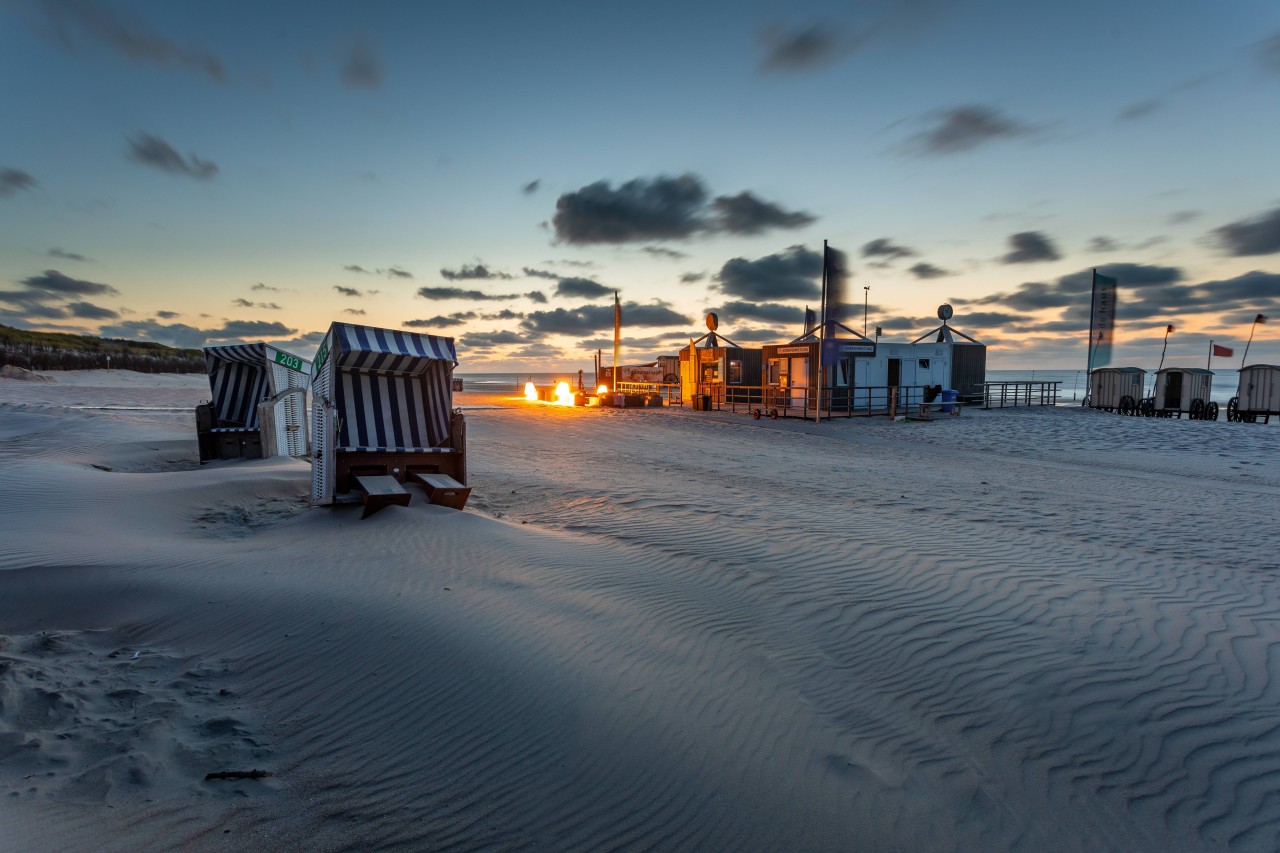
(1072, 384)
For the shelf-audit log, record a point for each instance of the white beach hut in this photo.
(1258, 395)
(1184, 391)
(258, 405)
(1116, 389)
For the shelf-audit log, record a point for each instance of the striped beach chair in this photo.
(258, 404)
(383, 417)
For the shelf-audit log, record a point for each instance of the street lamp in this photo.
(866, 296)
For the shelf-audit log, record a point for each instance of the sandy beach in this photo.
(1026, 629)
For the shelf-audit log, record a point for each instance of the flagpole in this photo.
(1208, 364)
(1167, 330)
(1093, 301)
(1256, 320)
(617, 336)
(822, 333)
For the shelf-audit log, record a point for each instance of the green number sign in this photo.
(292, 362)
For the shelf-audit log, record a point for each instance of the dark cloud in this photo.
(167, 315)
(267, 287)
(531, 187)
(489, 340)
(476, 271)
(581, 288)
(190, 337)
(56, 284)
(1103, 244)
(1257, 236)
(360, 64)
(12, 180)
(662, 208)
(443, 321)
(77, 25)
(437, 293)
(1028, 247)
(593, 318)
(804, 49)
(245, 303)
(504, 314)
(358, 312)
(660, 252)
(963, 129)
(1269, 53)
(242, 303)
(347, 291)
(1180, 217)
(1141, 109)
(532, 273)
(536, 296)
(772, 312)
(67, 256)
(883, 247)
(253, 330)
(155, 152)
(356, 268)
(88, 311)
(395, 272)
(793, 274)
(1074, 289)
(692, 277)
(924, 270)
(745, 214)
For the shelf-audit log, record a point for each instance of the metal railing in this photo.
(1001, 394)
(670, 393)
(774, 401)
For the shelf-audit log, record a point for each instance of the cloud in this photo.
(660, 252)
(443, 321)
(153, 151)
(360, 65)
(245, 303)
(395, 272)
(1141, 109)
(593, 318)
(12, 180)
(662, 208)
(924, 270)
(692, 277)
(190, 337)
(359, 312)
(1180, 217)
(56, 284)
(1103, 244)
(1029, 247)
(88, 311)
(253, 330)
(75, 25)
(437, 293)
(531, 187)
(347, 291)
(581, 288)
(504, 314)
(805, 48)
(489, 340)
(772, 312)
(1074, 289)
(745, 214)
(267, 287)
(792, 274)
(167, 315)
(532, 273)
(883, 247)
(964, 128)
(1257, 236)
(536, 296)
(476, 271)
(357, 268)
(1269, 53)
(67, 256)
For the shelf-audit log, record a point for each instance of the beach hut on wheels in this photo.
(1184, 390)
(715, 370)
(258, 404)
(1258, 395)
(1117, 389)
(383, 416)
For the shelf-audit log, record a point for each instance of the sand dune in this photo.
(651, 629)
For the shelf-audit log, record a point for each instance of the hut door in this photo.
(1173, 391)
(895, 372)
(799, 381)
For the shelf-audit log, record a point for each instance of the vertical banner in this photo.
(617, 337)
(1102, 320)
(810, 320)
(836, 278)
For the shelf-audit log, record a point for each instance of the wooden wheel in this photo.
(1148, 407)
(1127, 405)
(1233, 410)
(1197, 409)
(755, 413)
(773, 414)
(1211, 411)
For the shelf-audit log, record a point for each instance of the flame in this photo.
(602, 390)
(563, 395)
(530, 393)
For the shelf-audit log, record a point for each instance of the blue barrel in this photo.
(948, 396)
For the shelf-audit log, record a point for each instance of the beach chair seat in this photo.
(381, 490)
(443, 490)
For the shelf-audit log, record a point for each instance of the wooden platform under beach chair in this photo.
(384, 409)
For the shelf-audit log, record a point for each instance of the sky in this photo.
(201, 173)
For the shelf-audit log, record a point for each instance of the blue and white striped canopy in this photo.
(238, 381)
(391, 389)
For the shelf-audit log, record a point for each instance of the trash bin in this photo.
(457, 384)
(948, 396)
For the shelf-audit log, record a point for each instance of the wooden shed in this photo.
(1117, 389)
(1258, 395)
(792, 376)
(1183, 391)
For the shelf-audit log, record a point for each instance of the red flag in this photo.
(1223, 352)
(1169, 330)
(1259, 319)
